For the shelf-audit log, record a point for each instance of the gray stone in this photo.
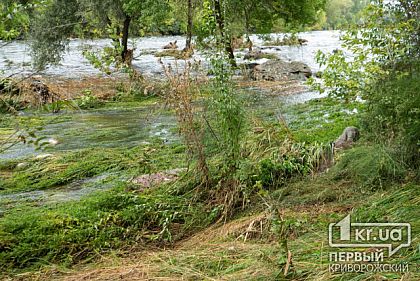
(255, 54)
(279, 70)
(347, 138)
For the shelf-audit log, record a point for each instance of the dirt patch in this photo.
(153, 180)
(102, 87)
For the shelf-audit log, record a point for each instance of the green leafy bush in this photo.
(384, 72)
(394, 116)
(275, 173)
(88, 100)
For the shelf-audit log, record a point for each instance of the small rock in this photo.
(171, 46)
(22, 166)
(43, 156)
(255, 54)
(152, 180)
(53, 141)
(302, 41)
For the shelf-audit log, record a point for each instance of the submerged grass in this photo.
(321, 120)
(66, 167)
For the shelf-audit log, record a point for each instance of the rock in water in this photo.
(171, 46)
(302, 41)
(347, 138)
(279, 70)
(22, 166)
(53, 142)
(254, 54)
(43, 156)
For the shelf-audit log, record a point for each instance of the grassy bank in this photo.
(288, 205)
(248, 248)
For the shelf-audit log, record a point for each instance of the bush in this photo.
(370, 166)
(88, 100)
(382, 73)
(275, 173)
(394, 116)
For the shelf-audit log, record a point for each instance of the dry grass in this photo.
(102, 87)
(275, 88)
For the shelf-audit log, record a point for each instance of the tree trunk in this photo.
(124, 42)
(189, 25)
(226, 39)
(247, 27)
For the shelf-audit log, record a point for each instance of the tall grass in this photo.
(104, 222)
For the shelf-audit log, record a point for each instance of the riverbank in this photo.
(98, 180)
(77, 211)
(246, 249)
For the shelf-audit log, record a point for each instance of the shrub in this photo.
(394, 116)
(88, 100)
(370, 166)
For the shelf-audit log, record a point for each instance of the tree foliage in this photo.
(383, 71)
(51, 30)
(15, 17)
(340, 14)
(61, 19)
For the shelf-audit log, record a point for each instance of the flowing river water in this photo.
(126, 127)
(15, 57)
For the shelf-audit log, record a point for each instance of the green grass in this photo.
(69, 233)
(370, 166)
(366, 182)
(64, 168)
(222, 254)
(320, 120)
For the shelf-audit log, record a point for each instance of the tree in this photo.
(338, 13)
(190, 24)
(50, 31)
(239, 17)
(15, 17)
(58, 21)
(384, 71)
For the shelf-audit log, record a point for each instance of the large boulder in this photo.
(347, 138)
(279, 70)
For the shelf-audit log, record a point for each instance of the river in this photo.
(15, 57)
(127, 127)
